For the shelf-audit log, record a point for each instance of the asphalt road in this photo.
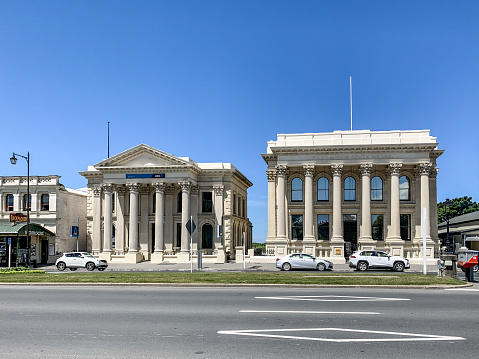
(165, 322)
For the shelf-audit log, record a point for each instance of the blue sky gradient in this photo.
(215, 80)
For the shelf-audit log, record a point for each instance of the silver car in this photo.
(302, 261)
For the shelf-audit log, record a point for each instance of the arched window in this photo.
(9, 202)
(323, 189)
(404, 188)
(179, 202)
(296, 190)
(376, 189)
(349, 189)
(27, 202)
(207, 236)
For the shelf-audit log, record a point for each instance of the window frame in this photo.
(296, 190)
(323, 190)
(7, 207)
(44, 207)
(206, 204)
(377, 190)
(350, 190)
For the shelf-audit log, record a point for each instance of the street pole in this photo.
(424, 241)
(78, 234)
(28, 210)
(191, 243)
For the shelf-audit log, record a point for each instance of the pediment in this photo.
(143, 156)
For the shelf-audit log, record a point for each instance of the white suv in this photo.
(75, 260)
(362, 260)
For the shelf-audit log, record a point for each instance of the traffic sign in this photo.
(74, 231)
(191, 226)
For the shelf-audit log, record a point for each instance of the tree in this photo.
(456, 207)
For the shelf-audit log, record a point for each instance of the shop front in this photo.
(13, 244)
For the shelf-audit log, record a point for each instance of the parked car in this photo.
(363, 260)
(302, 261)
(75, 260)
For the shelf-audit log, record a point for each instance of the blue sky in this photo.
(215, 80)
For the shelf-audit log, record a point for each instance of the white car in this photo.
(363, 260)
(75, 260)
(302, 261)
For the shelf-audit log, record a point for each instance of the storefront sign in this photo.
(37, 233)
(145, 175)
(18, 217)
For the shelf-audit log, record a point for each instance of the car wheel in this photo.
(286, 266)
(61, 266)
(398, 266)
(73, 269)
(362, 266)
(90, 266)
(320, 267)
(101, 269)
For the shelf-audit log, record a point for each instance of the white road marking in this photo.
(333, 298)
(304, 312)
(464, 289)
(411, 336)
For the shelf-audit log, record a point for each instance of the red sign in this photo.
(18, 217)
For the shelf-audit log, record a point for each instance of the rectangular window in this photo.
(297, 227)
(112, 203)
(405, 223)
(207, 202)
(323, 227)
(377, 227)
(45, 202)
(234, 204)
(9, 202)
(178, 235)
(244, 208)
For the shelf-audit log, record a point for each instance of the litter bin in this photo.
(467, 260)
(199, 259)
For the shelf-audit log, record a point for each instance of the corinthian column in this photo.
(424, 171)
(271, 175)
(185, 215)
(337, 235)
(133, 234)
(96, 230)
(395, 228)
(159, 214)
(308, 203)
(107, 218)
(365, 203)
(281, 214)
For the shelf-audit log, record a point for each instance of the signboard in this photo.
(145, 175)
(74, 231)
(18, 217)
(191, 226)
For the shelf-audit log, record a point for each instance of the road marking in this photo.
(410, 336)
(304, 312)
(334, 298)
(464, 289)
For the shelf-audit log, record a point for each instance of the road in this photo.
(166, 322)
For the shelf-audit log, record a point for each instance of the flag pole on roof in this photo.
(351, 99)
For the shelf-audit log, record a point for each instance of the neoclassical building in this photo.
(332, 193)
(140, 201)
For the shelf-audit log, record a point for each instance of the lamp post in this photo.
(13, 161)
(446, 204)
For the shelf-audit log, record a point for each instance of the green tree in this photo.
(455, 207)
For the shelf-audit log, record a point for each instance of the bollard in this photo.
(200, 260)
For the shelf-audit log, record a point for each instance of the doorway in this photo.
(44, 251)
(350, 235)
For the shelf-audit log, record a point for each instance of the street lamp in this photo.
(13, 161)
(447, 203)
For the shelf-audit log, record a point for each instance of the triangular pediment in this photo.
(143, 156)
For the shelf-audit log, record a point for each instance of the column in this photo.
(433, 204)
(271, 175)
(281, 213)
(96, 230)
(107, 217)
(159, 215)
(424, 171)
(144, 221)
(185, 215)
(194, 194)
(120, 220)
(133, 233)
(169, 224)
(365, 203)
(337, 220)
(394, 232)
(308, 203)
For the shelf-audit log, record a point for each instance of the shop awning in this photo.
(20, 229)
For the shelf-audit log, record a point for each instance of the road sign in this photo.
(191, 226)
(74, 231)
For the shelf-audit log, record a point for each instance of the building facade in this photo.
(141, 200)
(53, 210)
(332, 193)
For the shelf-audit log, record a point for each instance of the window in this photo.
(112, 203)
(9, 202)
(404, 193)
(376, 189)
(178, 235)
(296, 190)
(45, 202)
(27, 202)
(377, 227)
(207, 202)
(297, 227)
(179, 202)
(244, 208)
(234, 203)
(349, 189)
(323, 227)
(405, 225)
(323, 189)
(154, 202)
(113, 242)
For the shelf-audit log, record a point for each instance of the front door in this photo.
(350, 225)
(44, 251)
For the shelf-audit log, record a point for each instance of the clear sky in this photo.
(215, 80)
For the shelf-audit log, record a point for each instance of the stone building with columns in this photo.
(140, 201)
(332, 193)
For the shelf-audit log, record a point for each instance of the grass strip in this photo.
(227, 278)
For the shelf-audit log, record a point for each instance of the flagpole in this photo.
(351, 99)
